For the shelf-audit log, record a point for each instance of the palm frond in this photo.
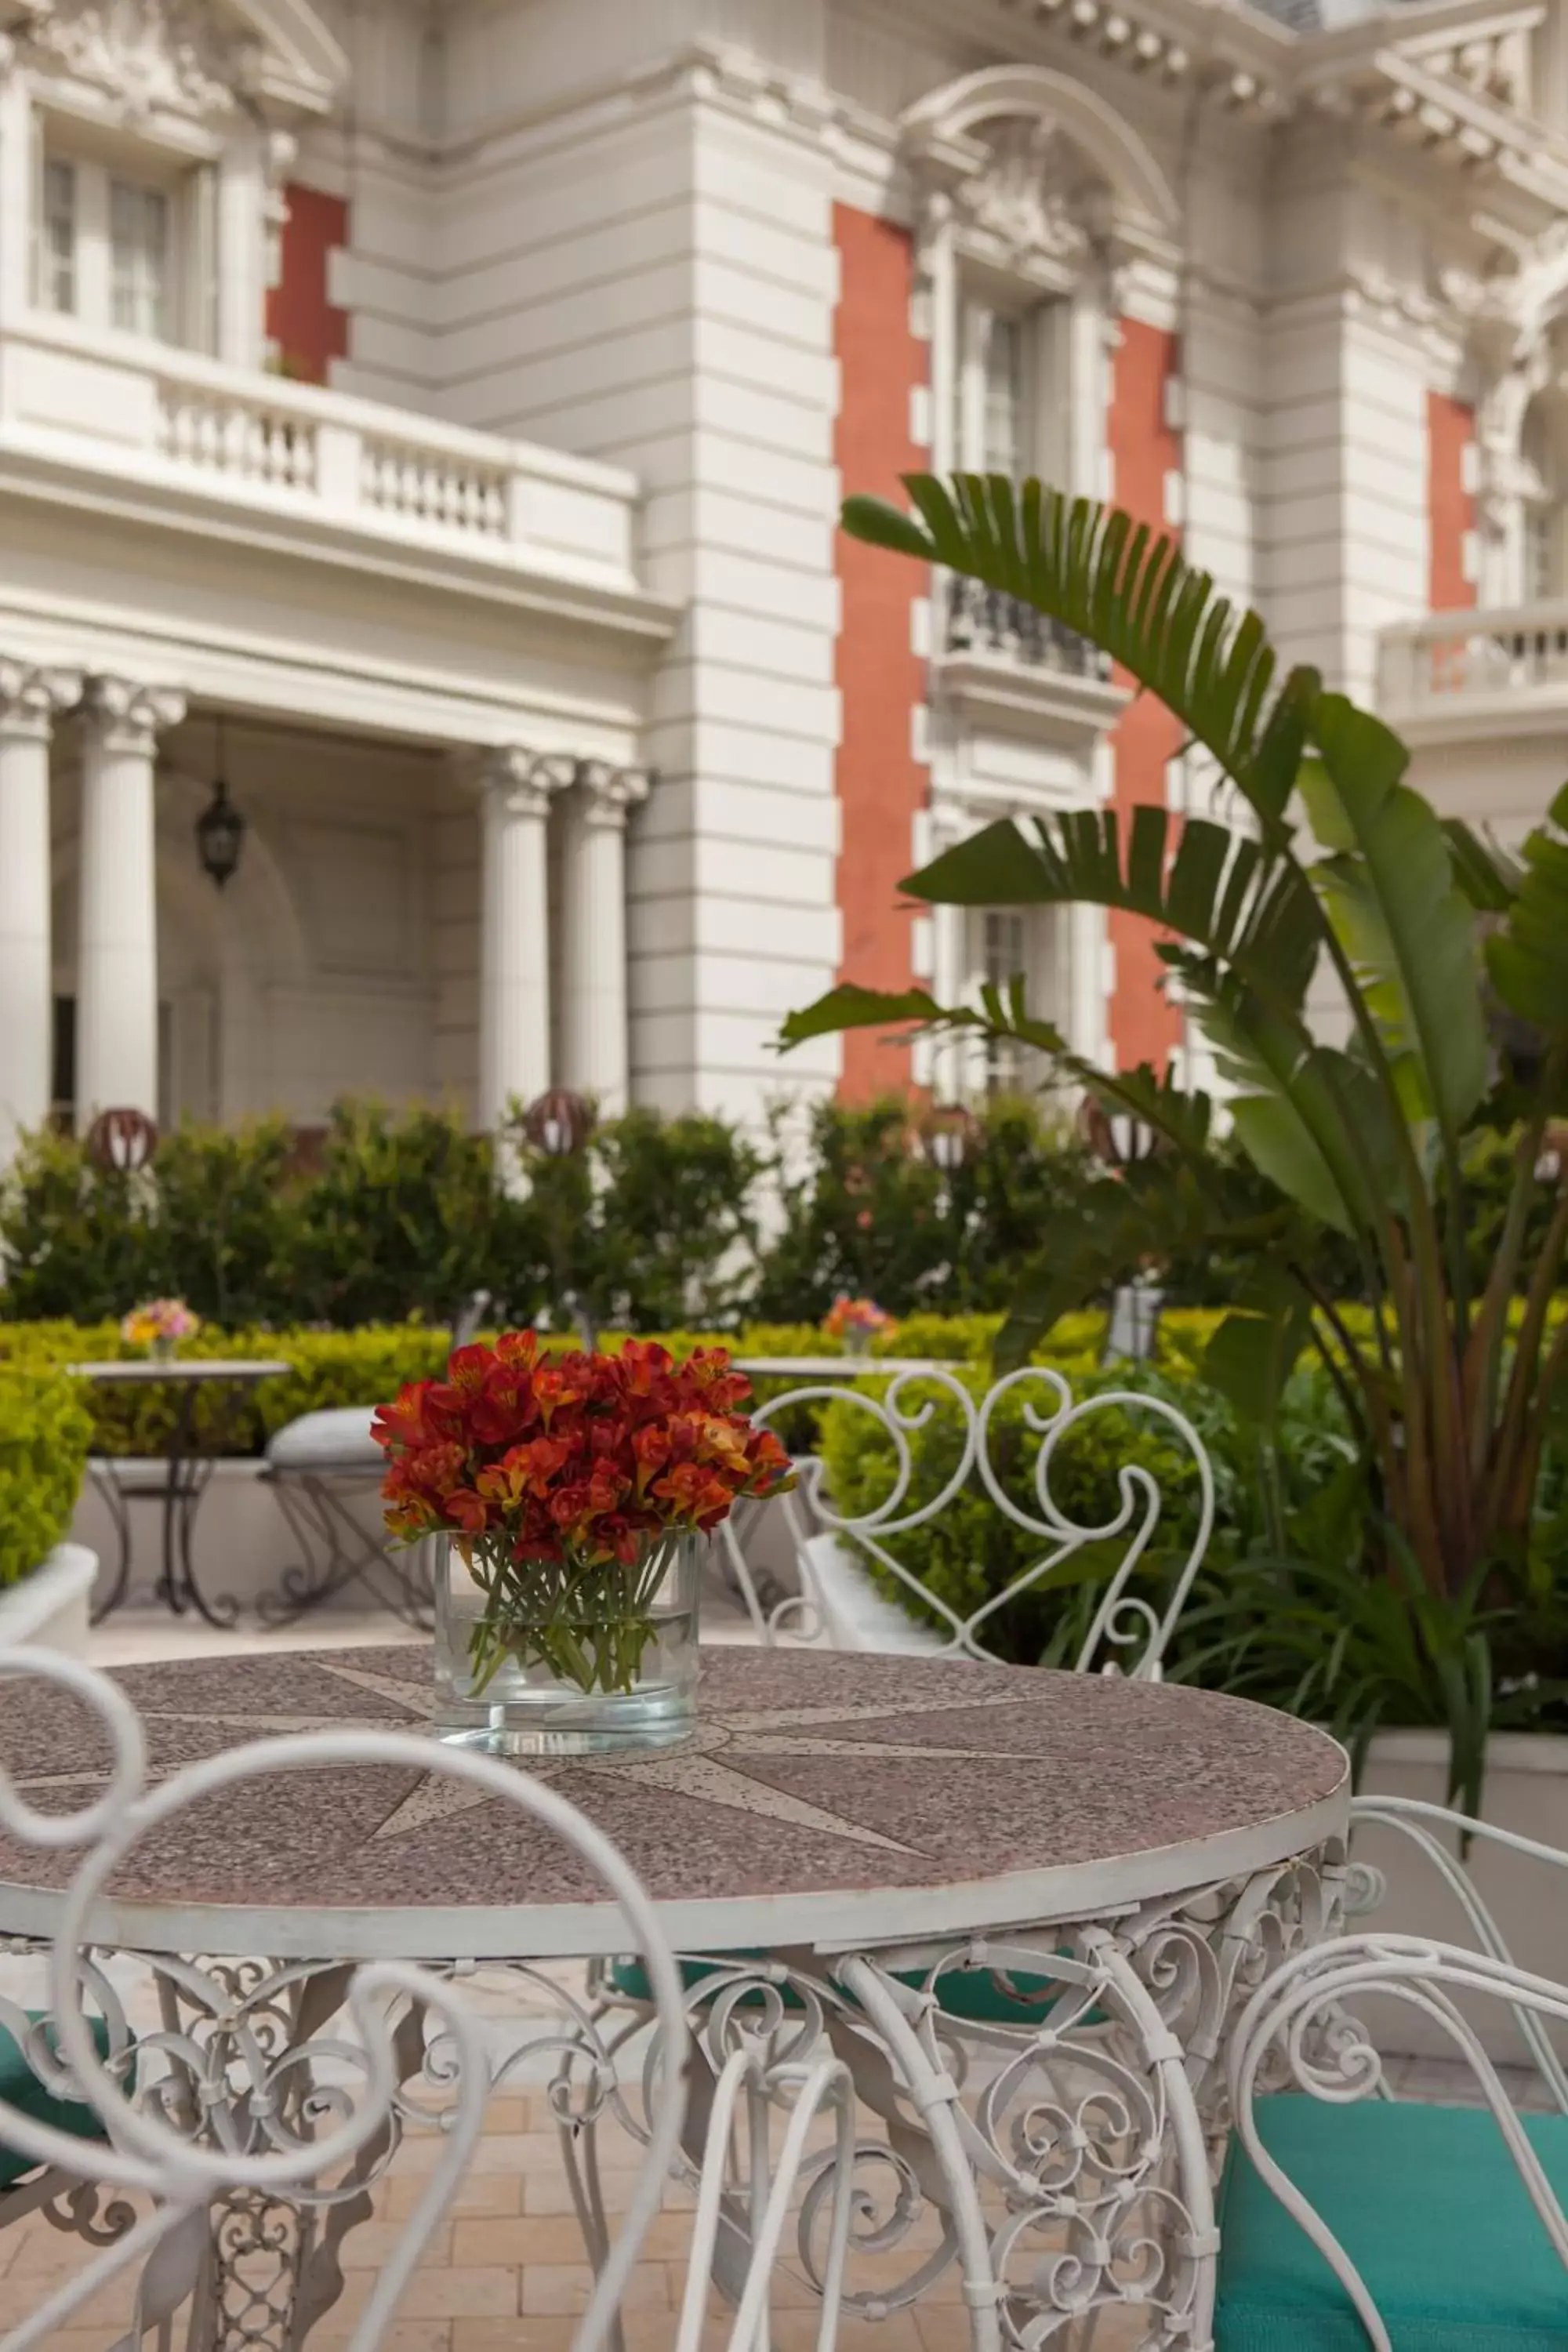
(1222, 890)
(1528, 959)
(1130, 591)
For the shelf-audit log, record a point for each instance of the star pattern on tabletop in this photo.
(417, 1705)
(709, 1768)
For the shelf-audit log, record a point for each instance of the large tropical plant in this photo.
(1450, 955)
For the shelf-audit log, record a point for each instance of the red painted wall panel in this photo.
(880, 680)
(1450, 509)
(309, 330)
(1143, 1025)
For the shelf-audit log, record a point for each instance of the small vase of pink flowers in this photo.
(160, 1325)
(856, 1322)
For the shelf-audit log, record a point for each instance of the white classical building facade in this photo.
(426, 419)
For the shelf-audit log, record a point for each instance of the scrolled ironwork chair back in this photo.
(1129, 1630)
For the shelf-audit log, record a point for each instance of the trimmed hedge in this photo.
(383, 1217)
(368, 1366)
(45, 1437)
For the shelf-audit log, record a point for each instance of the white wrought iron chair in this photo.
(194, 2125)
(842, 1606)
(1351, 2216)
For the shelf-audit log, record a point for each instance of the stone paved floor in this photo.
(505, 2272)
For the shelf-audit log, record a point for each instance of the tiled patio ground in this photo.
(505, 2272)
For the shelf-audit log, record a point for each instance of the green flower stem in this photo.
(589, 1621)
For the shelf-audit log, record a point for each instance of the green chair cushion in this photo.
(1429, 2206)
(971, 1994)
(21, 2089)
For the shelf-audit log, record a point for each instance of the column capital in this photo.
(32, 695)
(126, 717)
(608, 792)
(515, 782)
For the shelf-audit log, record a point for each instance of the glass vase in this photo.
(543, 1658)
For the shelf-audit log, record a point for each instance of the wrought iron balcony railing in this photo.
(984, 620)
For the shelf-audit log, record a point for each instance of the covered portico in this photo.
(432, 733)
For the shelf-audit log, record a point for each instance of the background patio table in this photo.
(185, 1480)
(840, 1835)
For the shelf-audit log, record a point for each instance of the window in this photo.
(1003, 420)
(991, 391)
(1543, 507)
(108, 245)
(57, 257)
(139, 258)
(1004, 958)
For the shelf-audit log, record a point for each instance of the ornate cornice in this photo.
(152, 57)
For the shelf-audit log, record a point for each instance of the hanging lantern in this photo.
(220, 828)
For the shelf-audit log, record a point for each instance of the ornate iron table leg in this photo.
(117, 1505)
(189, 1475)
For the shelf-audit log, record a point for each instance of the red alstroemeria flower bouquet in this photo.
(569, 1488)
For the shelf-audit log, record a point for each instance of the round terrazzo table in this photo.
(1022, 1906)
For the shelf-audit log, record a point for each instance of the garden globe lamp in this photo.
(1117, 1137)
(559, 1123)
(948, 1135)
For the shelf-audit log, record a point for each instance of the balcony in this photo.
(1455, 673)
(1007, 671)
(105, 421)
(1481, 698)
(981, 620)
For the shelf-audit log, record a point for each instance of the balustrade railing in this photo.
(399, 477)
(224, 434)
(978, 619)
(307, 450)
(1451, 656)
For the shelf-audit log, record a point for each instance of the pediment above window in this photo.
(195, 58)
(1035, 197)
(1034, 169)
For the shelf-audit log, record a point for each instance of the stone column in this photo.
(595, 1044)
(117, 928)
(516, 788)
(29, 698)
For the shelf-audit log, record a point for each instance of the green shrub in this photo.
(45, 1432)
(76, 1239)
(402, 1218)
(865, 1210)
